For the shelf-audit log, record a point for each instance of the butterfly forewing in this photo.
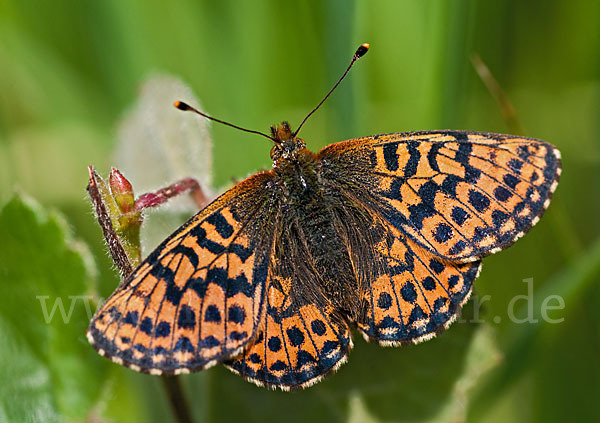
(199, 297)
(459, 195)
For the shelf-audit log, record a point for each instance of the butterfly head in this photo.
(287, 145)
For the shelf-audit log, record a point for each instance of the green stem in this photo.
(177, 399)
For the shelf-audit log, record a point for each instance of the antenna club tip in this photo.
(181, 105)
(362, 50)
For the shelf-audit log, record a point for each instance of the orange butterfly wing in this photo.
(199, 297)
(410, 294)
(436, 203)
(460, 195)
(296, 348)
(303, 335)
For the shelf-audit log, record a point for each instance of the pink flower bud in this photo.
(122, 191)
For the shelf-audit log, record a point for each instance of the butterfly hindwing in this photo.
(403, 292)
(297, 347)
(460, 195)
(199, 297)
(410, 294)
(303, 335)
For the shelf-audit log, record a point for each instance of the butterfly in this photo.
(384, 234)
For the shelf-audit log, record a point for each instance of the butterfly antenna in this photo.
(187, 108)
(360, 52)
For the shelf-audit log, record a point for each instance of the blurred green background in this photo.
(70, 69)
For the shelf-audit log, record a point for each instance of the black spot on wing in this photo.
(209, 342)
(515, 165)
(295, 336)
(479, 201)
(459, 215)
(458, 247)
(318, 327)
(436, 266)
(384, 301)
(304, 358)
(443, 233)
(464, 149)
(472, 174)
(408, 292)
(146, 326)
(237, 336)
(460, 136)
(410, 169)
(198, 285)
(183, 344)
(428, 283)
(432, 155)
(187, 317)
(394, 191)
(236, 314)
(511, 180)
(418, 212)
(390, 156)
(416, 314)
(223, 228)
(212, 314)
(217, 276)
(239, 284)
(502, 194)
(173, 293)
(242, 252)
(131, 318)
(274, 343)
(200, 234)
(278, 366)
(187, 252)
(163, 329)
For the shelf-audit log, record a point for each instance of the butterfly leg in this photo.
(183, 186)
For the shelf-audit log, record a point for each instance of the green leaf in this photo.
(26, 391)
(47, 362)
